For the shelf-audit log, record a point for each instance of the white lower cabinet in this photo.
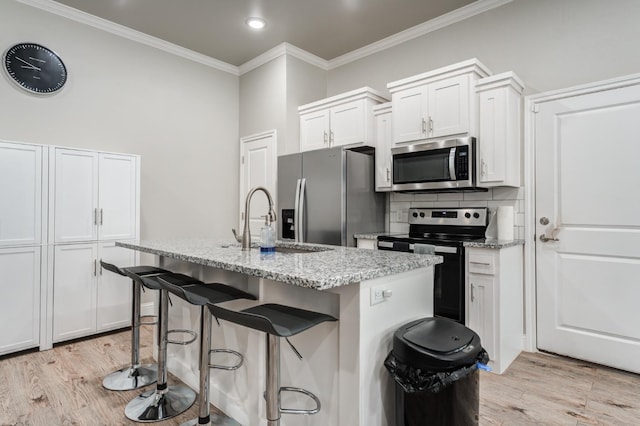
(495, 302)
(20, 302)
(87, 300)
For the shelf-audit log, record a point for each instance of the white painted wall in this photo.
(550, 44)
(122, 96)
(270, 96)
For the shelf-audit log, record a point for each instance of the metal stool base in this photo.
(130, 378)
(154, 406)
(215, 420)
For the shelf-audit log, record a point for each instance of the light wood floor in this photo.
(63, 386)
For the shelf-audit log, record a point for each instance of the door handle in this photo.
(552, 237)
(472, 296)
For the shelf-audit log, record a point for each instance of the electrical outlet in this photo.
(377, 295)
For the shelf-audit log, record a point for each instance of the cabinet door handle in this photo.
(100, 267)
(95, 216)
(424, 126)
(472, 296)
(388, 175)
(430, 125)
(95, 267)
(101, 214)
(483, 167)
(331, 137)
(326, 137)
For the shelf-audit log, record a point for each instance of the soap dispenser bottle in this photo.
(267, 237)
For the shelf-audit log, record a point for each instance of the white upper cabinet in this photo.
(498, 160)
(21, 192)
(94, 196)
(383, 140)
(345, 119)
(117, 196)
(436, 104)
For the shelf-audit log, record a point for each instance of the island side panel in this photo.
(366, 337)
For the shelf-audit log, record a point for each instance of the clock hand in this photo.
(37, 59)
(31, 66)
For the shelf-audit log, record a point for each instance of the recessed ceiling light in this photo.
(256, 23)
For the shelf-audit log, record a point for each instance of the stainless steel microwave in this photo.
(440, 165)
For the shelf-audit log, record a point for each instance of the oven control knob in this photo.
(467, 215)
(476, 215)
(421, 214)
(415, 214)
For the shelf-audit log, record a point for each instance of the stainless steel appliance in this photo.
(326, 196)
(444, 231)
(435, 166)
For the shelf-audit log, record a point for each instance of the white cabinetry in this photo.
(20, 301)
(22, 227)
(436, 104)
(95, 199)
(345, 119)
(94, 196)
(494, 302)
(20, 194)
(383, 140)
(498, 160)
(84, 300)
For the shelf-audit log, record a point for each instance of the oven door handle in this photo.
(440, 249)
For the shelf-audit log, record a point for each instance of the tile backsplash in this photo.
(399, 204)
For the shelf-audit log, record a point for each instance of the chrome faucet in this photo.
(245, 239)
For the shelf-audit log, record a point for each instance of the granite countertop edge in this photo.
(494, 244)
(320, 276)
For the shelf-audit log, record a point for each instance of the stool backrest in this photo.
(112, 268)
(257, 322)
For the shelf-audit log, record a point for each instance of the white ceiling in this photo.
(216, 28)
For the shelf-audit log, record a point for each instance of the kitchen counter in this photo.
(319, 267)
(372, 293)
(494, 244)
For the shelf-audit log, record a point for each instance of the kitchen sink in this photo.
(294, 250)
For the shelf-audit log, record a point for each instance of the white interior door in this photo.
(257, 168)
(587, 176)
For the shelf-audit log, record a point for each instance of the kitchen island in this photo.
(372, 293)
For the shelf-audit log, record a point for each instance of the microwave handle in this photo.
(452, 163)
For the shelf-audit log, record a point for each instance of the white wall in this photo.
(122, 96)
(550, 44)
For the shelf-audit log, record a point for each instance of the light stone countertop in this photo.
(484, 243)
(322, 267)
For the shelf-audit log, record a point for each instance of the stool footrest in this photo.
(226, 367)
(153, 318)
(179, 342)
(299, 411)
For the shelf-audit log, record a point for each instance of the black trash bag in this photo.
(414, 380)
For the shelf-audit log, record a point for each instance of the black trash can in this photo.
(434, 362)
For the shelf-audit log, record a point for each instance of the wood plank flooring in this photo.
(63, 386)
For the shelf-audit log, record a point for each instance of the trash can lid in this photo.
(437, 344)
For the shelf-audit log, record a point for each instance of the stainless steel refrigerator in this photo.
(328, 195)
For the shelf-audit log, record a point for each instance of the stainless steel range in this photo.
(443, 231)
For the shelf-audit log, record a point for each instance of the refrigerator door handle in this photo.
(296, 213)
(300, 226)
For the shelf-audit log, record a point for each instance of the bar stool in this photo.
(165, 401)
(134, 376)
(276, 321)
(200, 294)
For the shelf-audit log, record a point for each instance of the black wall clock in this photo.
(35, 68)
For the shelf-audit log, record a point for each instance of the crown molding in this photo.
(128, 33)
(450, 18)
(284, 49)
